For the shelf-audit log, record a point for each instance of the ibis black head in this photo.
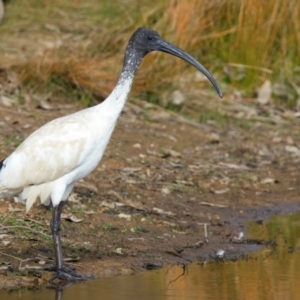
(145, 40)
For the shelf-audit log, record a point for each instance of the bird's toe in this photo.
(69, 274)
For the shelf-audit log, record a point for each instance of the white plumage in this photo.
(48, 163)
(54, 157)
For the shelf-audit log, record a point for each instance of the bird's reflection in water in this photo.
(61, 287)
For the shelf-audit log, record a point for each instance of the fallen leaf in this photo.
(14, 209)
(169, 224)
(71, 218)
(112, 205)
(125, 216)
(174, 153)
(90, 212)
(87, 185)
(7, 101)
(289, 140)
(220, 192)
(184, 182)
(137, 146)
(3, 235)
(72, 259)
(268, 181)
(179, 232)
(136, 239)
(289, 114)
(75, 219)
(212, 204)
(5, 243)
(163, 212)
(26, 126)
(233, 166)
(292, 149)
(109, 205)
(119, 251)
(135, 205)
(44, 104)
(165, 191)
(131, 170)
(74, 198)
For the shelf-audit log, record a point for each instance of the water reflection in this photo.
(274, 273)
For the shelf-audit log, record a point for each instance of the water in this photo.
(273, 273)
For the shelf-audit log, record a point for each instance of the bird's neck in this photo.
(117, 99)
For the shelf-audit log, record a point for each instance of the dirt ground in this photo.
(168, 191)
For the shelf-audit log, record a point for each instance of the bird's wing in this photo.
(47, 154)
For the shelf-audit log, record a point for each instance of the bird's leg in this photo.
(55, 230)
(61, 272)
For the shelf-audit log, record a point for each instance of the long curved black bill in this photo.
(167, 47)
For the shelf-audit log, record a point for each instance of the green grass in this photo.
(11, 141)
(64, 87)
(106, 227)
(78, 211)
(25, 229)
(136, 229)
(223, 120)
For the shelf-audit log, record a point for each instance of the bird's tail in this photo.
(31, 193)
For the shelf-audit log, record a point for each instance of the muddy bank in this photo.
(116, 252)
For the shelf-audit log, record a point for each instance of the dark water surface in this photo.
(273, 273)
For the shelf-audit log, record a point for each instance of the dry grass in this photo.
(84, 41)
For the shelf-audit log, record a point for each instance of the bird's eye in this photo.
(150, 37)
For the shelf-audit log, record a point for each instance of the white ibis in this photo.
(48, 163)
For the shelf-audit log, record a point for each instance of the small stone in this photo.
(178, 98)
(277, 139)
(220, 253)
(292, 149)
(165, 191)
(137, 146)
(175, 154)
(214, 138)
(268, 181)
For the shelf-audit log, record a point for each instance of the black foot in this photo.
(70, 275)
(54, 268)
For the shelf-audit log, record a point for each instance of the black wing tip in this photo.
(2, 163)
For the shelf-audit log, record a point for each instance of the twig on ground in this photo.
(212, 204)
(28, 228)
